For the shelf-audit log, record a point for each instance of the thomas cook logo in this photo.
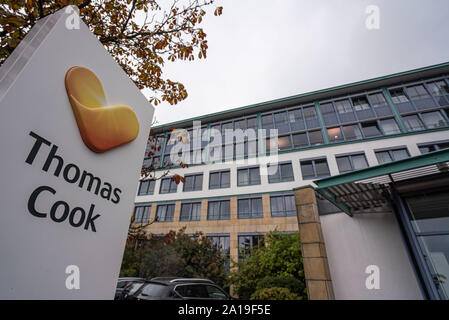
(101, 127)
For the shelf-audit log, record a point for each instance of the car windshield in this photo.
(153, 290)
(132, 288)
(200, 291)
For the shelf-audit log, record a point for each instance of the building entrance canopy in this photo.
(367, 190)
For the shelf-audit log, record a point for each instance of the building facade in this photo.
(239, 187)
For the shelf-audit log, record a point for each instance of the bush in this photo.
(279, 257)
(275, 293)
(288, 282)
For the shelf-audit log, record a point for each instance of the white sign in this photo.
(73, 130)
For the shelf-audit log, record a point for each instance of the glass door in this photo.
(429, 217)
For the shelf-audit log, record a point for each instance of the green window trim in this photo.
(395, 110)
(323, 126)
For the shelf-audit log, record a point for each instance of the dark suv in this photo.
(176, 289)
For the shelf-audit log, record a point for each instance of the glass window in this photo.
(329, 114)
(247, 242)
(282, 206)
(389, 126)
(371, 129)
(168, 186)
(438, 88)
(335, 135)
(284, 143)
(351, 163)
(316, 137)
(281, 121)
(352, 132)
(314, 168)
(248, 176)
(433, 147)
(296, 119)
(377, 99)
(343, 106)
(165, 213)
(311, 117)
(280, 173)
(146, 187)
(360, 103)
(250, 208)
(433, 119)
(417, 92)
(300, 140)
(193, 182)
(218, 210)
(142, 214)
(220, 179)
(190, 211)
(413, 123)
(383, 157)
(391, 155)
(267, 121)
(398, 96)
(154, 290)
(222, 242)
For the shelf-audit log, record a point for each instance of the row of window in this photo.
(251, 207)
(281, 172)
(421, 106)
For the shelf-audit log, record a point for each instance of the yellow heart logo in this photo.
(101, 127)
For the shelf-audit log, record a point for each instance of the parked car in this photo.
(122, 283)
(171, 288)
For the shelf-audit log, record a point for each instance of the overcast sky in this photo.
(261, 50)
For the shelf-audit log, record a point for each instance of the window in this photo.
(247, 242)
(190, 211)
(314, 168)
(417, 92)
(398, 96)
(218, 210)
(440, 91)
(250, 208)
(168, 186)
(352, 132)
(379, 104)
(219, 179)
(282, 206)
(289, 123)
(371, 129)
(222, 242)
(392, 155)
(193, 182)
(413, 123)
(344, 109)
(248, 176)
(389, 126)
(165, 212)
(281, 172)
(351, 162)
(433, 119)
(142, 214)
(146, 187)
(433, 147)
(154, 290)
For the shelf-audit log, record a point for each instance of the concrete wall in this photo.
(353, 243)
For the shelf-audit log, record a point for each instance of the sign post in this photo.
(73, 130)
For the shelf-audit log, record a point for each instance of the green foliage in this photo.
(275, 293)
(175, 254)
(280, 257)
(293, 284)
